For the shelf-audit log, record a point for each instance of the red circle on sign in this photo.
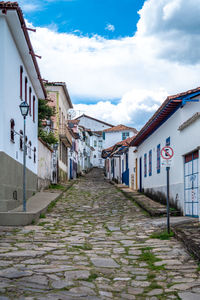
(165, 150)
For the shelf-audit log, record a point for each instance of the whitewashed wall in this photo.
(94, 125)
(44, 165)
(182, 142)
(113, 137)
(96, 158)
(10, 91)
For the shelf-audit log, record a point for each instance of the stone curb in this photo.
(153, 208)
(188, 234)
(155, 212)
(19, 218)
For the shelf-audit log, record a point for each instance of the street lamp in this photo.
(24, 108)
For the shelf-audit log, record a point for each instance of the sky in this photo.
(120, 59)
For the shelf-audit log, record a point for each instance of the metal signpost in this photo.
(167, 153)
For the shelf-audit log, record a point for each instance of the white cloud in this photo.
(110, 27)
(133, 109)
(30, 7)
(162, 56)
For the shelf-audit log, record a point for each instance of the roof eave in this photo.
(9, 6)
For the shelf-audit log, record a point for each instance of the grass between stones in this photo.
(42, 216)
(198, 268)
(163, 235)
(149, 258)
(57, 187)
(85, 246)
(92, 277)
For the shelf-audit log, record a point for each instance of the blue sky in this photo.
(120, 59)
(108, 18)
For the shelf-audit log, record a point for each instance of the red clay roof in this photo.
(83, 115)
(121, 128)
(169, 106)
(4, 6)
(76, 122)
(125, 142)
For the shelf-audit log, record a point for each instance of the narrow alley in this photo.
(94, 244)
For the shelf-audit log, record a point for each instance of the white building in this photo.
(96, 142)
(92, 123)
(117, 161)
(96, 139)
(176, 124)
(45, 164)
(20, 80)
(116, 134)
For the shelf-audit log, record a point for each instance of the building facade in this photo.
(20, 80)
(176, 124)
(92, 123)
(116, 134)
(59, 99)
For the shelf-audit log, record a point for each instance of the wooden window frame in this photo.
(25, 89)
(30, 95)
(21, 140)
(150, 162)
(12, 130)
(34, 155)
(33, 108)
(145, 165)
(21, 82)
(158, 159)
(29, 149)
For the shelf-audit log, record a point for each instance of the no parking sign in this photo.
(167, 154)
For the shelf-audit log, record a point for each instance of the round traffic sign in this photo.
(167, 152)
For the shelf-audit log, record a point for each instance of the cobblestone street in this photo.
(94, 244)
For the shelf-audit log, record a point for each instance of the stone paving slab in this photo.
(94, 244)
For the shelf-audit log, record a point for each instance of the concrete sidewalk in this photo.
(35, 206)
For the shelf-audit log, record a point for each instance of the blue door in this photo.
(71, 169)
(140, 184)
(125, 174)
(191, 184)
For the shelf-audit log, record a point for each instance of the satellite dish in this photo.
(71, 114)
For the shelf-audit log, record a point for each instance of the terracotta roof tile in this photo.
(120, 128)
(141, 133)
(76, 122)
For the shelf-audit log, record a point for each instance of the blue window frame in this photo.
(145, 165)
(168, 141)
(158, 158)
(104, 135)
(150, 162)
(125, 135)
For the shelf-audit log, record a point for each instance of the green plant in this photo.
(198, 268)
(150, 258)
(45, 112)
(57, 187)
(92, 277)
(164, 235)
(42, 216)
(85, 246)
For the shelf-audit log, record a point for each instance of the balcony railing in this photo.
(65, 135)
